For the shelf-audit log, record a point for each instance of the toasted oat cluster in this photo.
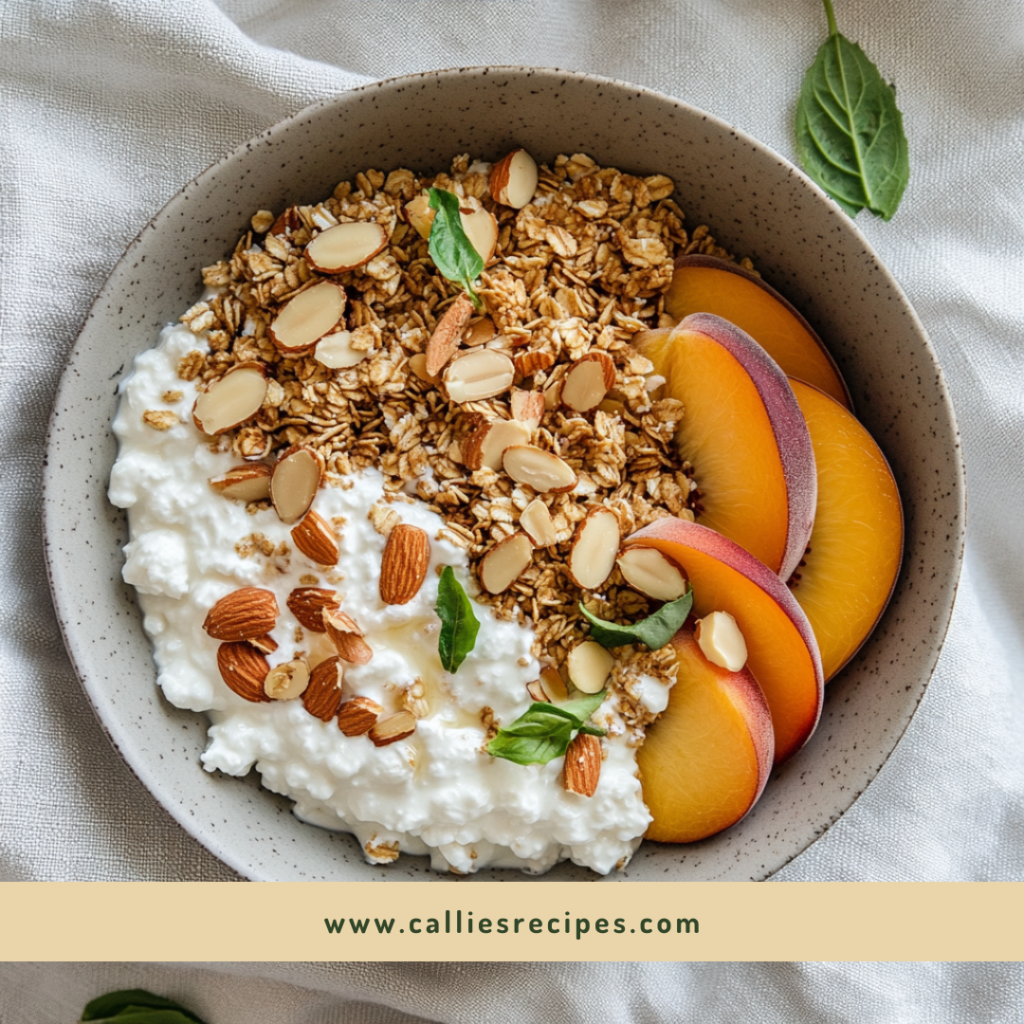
(532, 425)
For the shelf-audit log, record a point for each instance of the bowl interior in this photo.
(756, 203)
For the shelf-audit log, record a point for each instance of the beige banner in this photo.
(482, 921)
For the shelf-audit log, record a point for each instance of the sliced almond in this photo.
(447, 334)
(553, 394)
(358, 716)
(479, 332)
(346, 636)
(536, 692)
(287, 222)
(486, 444)
(335, 351)
(296, 477)
(514, 179)
(652, 573)
(720, 640)
(505, 562)
(587, 381)
(315, 539)
(528, 408)
(242, 615)
(553, 685)
(346, 246)
(480, 373)
(232, 399)
(250, 482)
(544, 471)
(589, 666)
(287, 681)
(582, 768)
(529, 363)
(418, 365)
(243, 668)
(304, 320)
(264, 644)
(307, 605)
(594, 547)
(535, 519)
(481, 229)
(419, 215)
(404, 564)
(392, 728)
(322, 697)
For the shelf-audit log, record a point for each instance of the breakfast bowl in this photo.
(758, 206)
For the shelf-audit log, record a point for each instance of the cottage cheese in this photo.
(436, 793)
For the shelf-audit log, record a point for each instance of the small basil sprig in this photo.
(449, 245)
(849, 131)
(137, 1006)
(459, 626)
(655, 631)
(545, 731)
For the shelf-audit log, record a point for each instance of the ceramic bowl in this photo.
(757, 203)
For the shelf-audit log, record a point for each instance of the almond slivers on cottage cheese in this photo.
(515, 439)
(435, 793)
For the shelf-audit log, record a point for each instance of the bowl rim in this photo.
(213, 841)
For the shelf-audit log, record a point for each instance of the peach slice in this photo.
(856, 547)
(782, 654)
(743, 432)
(707, 758)
(704, 284)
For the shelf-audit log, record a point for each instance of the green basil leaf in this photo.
(849, 131)
(655, 631)
(450, 248)
(545, 731)
(137, 1006)
(459, 626)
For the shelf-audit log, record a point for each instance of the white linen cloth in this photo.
(536, 993)
(109, 106)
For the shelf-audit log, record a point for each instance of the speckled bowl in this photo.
(757, 203)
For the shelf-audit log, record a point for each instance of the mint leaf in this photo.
(459, 626)
(450, 248)
(849, 131)
(545, 731)
(655, 631)
(137, 1006)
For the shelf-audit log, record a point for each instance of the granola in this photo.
(576, 274)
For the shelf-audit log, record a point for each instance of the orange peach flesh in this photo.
(743, 433)
(856, 546)
(782, 653)
(703, 284)
(707, 758)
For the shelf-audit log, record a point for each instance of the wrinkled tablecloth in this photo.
(110, 106)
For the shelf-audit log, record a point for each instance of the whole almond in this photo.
(346, 636)
(244, 670)
(582, 765)
(322, 697)
(242, 615)
(392, 728)
(307, 605)
(358, 716)
(315, 539)
(447, 334)
(404, 565)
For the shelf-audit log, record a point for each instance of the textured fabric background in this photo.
(109, 106)
(538, 993)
